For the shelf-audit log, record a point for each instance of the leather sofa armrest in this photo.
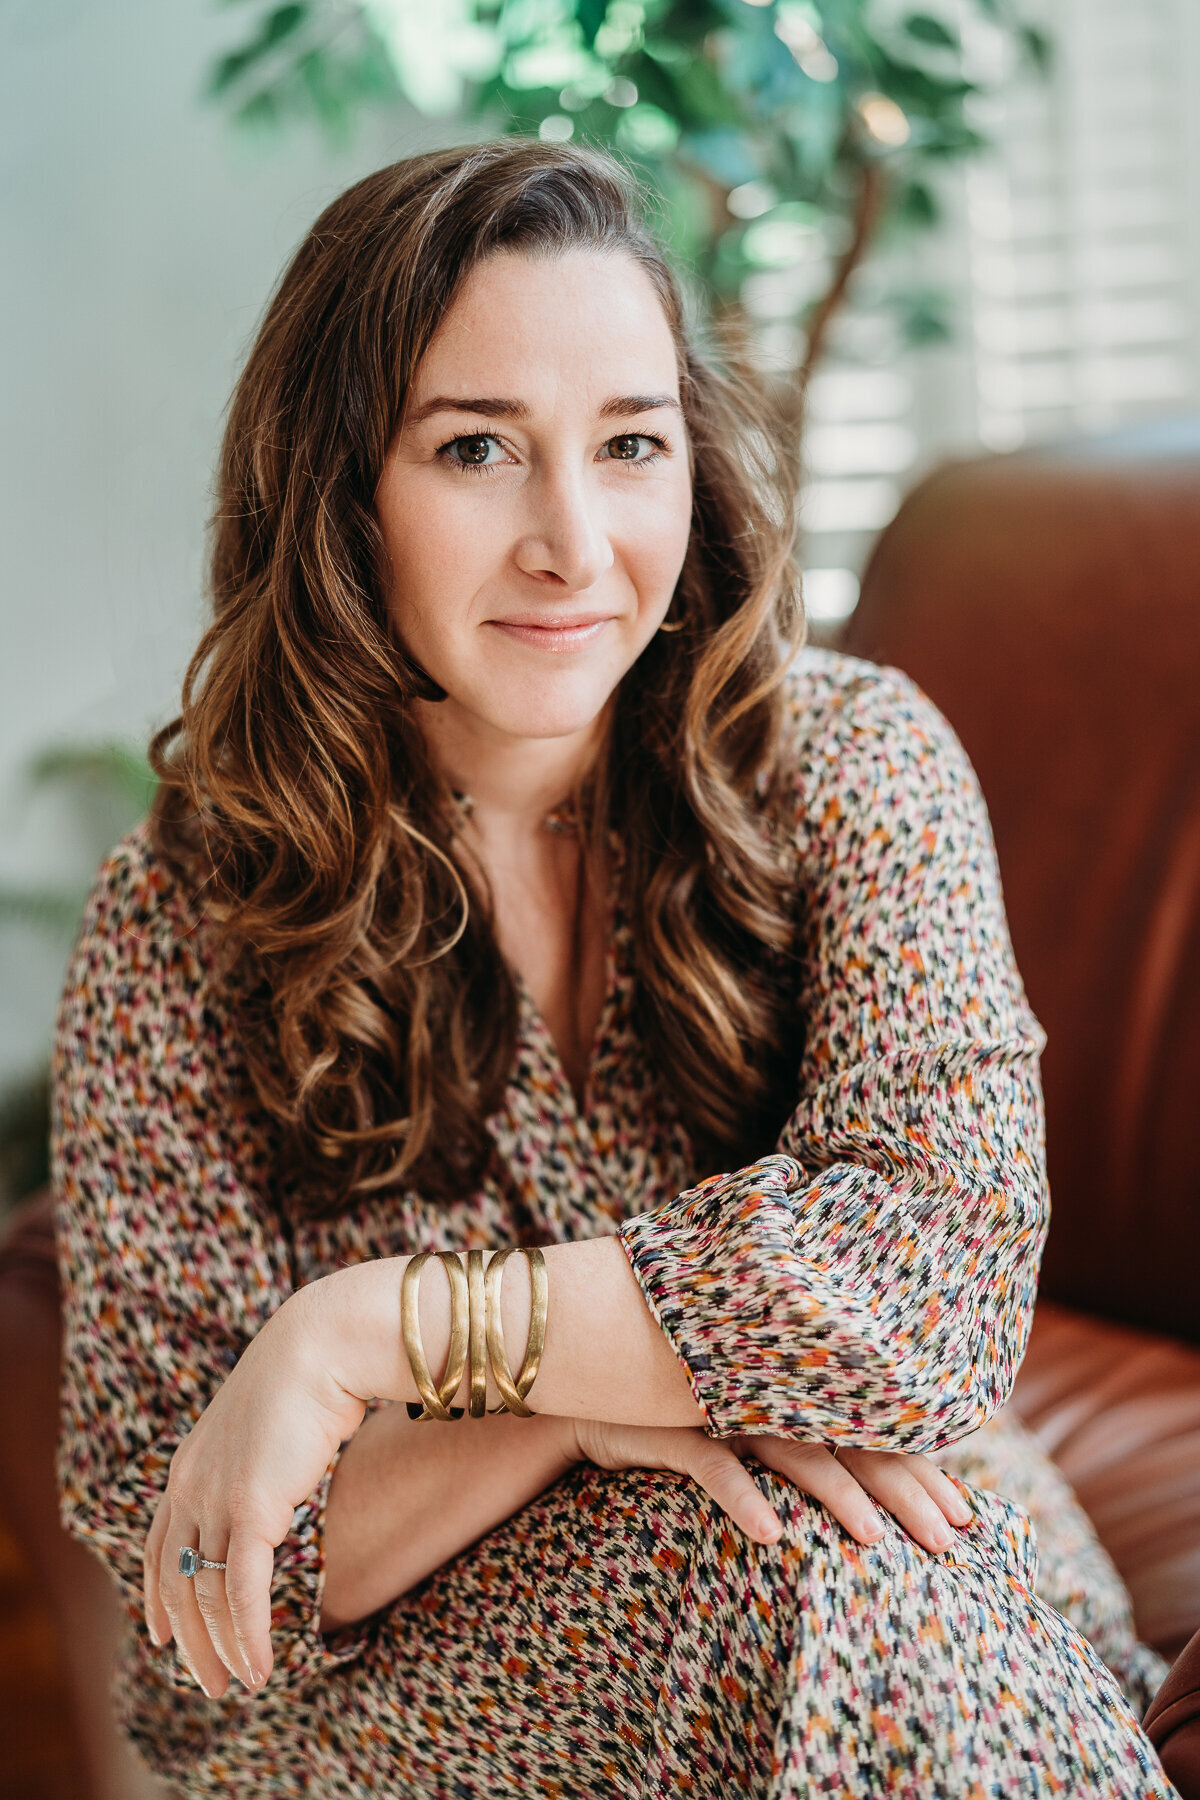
(1119, 1411)
(1173, 1722)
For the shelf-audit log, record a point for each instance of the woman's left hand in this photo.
(254, 1455)
(919, 1496)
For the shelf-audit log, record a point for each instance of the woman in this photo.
(506, 865)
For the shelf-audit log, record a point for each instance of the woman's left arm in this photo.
(873, 1283)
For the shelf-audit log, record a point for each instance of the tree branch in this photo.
(868, 208)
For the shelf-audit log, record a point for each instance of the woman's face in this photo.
(537, 501)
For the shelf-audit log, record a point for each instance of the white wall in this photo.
(139, 240)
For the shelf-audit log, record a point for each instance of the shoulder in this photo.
(864, 739)
(831, 701)
(143, 947)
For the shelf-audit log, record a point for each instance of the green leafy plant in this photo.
(102, 790)
(108, 787)
(776, 133)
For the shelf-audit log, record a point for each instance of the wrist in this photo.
(563, 1435)
(353, 1318)
(352, 1322)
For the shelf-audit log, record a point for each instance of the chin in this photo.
(546, 721)
(556, 708)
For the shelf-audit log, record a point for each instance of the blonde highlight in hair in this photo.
(297, 796)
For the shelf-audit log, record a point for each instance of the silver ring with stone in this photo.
(190, 1560)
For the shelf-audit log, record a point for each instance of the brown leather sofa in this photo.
(1050, 605)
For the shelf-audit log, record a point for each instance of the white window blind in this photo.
(1070, 256)
(1083, 227)
(860, 442)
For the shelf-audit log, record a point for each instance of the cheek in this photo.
(437, 552)
(656, 546)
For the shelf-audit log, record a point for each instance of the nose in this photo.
(566, 543)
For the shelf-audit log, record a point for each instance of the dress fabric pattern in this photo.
(869, 1281)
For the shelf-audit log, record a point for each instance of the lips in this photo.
(539, 621)
(565, 632)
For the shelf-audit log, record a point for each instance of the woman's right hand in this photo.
(914, 1490)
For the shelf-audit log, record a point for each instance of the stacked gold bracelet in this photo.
(475, 1334)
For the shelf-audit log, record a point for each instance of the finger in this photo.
(945, 1494)
(158, 1624)
(942, 1489)
(195, 1647)
(896, 1480)
(721, 1473)
(248, 1597)
(815, 1471)
(208, 1585)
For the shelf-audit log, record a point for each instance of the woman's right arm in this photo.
(170, 1255)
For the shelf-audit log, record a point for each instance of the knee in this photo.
(1000, 1539)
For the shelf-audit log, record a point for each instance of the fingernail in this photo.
(942, 1539)
(770, 1526)
(873, 1528)
(256, 1679)
(204, 1690)
(963, 1514)
(154, 1637)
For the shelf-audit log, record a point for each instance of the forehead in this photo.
(521, 324)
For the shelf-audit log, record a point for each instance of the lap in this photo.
(618, 1638)
(540, 1649)
(1075, 1574)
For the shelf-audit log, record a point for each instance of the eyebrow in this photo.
(620, 406)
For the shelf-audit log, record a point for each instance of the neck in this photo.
(513, 782)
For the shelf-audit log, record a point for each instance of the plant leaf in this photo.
(917, 205)
(280, 23)
(591, 15)
(1038, 48)
(923, 28)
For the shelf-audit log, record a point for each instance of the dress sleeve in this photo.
(871, 1281)
(170, 1258)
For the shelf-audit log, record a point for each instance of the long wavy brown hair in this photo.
(296, 793)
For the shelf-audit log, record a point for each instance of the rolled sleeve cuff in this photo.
(302, 1651)
(718, 1269)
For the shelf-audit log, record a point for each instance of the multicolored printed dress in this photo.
(869, 1282)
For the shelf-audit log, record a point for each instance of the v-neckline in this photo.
(537, 1031)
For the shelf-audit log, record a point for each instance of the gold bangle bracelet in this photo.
(477, 1397)
(436, 1400)
(513, 1393)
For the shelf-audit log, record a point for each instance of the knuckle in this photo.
(209, 1607)
(238, 1602)
(240, 1507)
(177, 1473)
(711, 1460)
(885, 1460)
(236, 1496)
(909, 1494)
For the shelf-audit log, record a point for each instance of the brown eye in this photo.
(624, 449)
(473, 449)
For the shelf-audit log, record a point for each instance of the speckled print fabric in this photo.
(870, 1280)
